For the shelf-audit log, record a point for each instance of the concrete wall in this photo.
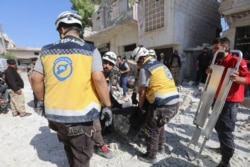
(195, 22)
(162, 36)
(187, 24)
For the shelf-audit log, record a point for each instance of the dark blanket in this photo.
(127, 122)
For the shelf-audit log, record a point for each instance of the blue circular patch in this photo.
(62, 68)
(168, 73)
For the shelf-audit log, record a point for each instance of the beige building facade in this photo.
(163, 25)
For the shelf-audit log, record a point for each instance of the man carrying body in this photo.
(68, 77)
(156, 85)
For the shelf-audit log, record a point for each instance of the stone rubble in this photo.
(29, 142)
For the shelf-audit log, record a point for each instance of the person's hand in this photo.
(106, 115)
(141, 111)
(235, 76)
(237, 79)
(209, 70)
(19, 91)
(40, 108)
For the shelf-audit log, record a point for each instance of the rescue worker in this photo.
(108, 63)
(157, 87)
(68, 77)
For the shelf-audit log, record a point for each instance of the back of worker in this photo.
(68, 77)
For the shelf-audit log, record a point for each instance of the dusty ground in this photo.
(29, 142)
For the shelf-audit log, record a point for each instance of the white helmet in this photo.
(151, 52)
(110, 56)
(138, 52)
(68, 18)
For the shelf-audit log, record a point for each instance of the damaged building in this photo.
(121, 25)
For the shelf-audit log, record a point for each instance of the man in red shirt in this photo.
(225, 124)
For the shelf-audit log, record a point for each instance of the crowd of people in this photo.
(77, 66)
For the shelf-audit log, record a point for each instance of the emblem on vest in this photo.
(62, 68)
(168, 73)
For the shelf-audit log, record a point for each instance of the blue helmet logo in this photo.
(62, 68)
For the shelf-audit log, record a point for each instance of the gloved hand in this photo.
(106, 115)
(142, 115)
(141, 111)
(40, 108)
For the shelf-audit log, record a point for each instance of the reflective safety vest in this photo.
(161, 89)
(70, 96)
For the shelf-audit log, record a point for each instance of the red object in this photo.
(236, 93)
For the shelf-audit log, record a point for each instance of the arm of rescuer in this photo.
(37, 83)
(37, 80)
(101, 87)
(240, 80)
(142, 96)
(143, 84)
(103, 93)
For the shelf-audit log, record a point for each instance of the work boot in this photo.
(104, 151)
(147, 157)
(223, 164)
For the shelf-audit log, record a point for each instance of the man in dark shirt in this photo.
(175, 66)
(124, 71)
(15, 85)
(202, 63)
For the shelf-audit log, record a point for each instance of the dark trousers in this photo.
(156, 118)
(77, 140)
(201, 76)
(98, 139)
(225, 126)
(123, 84)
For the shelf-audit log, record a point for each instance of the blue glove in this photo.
(106, 115)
